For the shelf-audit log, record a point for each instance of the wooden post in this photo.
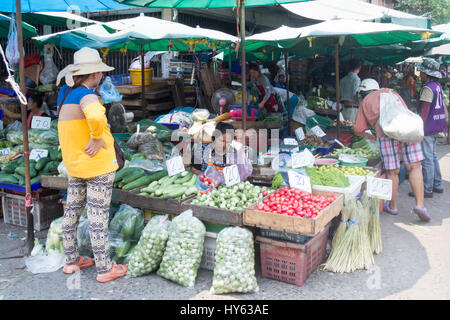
(143, 104)
(243, 62)
(338, 93)
(286, 77)
(26, 150)
(229, 63)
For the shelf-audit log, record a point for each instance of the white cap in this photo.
(368, 85)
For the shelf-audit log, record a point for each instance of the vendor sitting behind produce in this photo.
(349, 89)
(262, 83)
(222, 152)
(33, 109)
(280, 81)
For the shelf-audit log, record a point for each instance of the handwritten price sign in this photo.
(302, 159)
(5, 152)
(299, 181)
(231, 175)
(290, 142)
(37, 154)
(379, 188)
(175, 166)
(317, 131)
(40, 123)
(300, 134)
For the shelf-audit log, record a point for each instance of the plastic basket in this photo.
(45, 210)
(284, 236)
(136, 76)
(290, 262)
(209, 251)
(121, 136)
(362, 163)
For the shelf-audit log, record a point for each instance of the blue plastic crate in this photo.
(284, 236)
(19, 188)
(325, 151)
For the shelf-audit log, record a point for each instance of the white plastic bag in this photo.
(12, 49)
(45, 263)
(15, 126)
(301, 113)
(108, 92)
(62, 170)
(397, 122)
(200, 115)
(50, 71)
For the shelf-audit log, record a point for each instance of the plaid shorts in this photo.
(393, 151)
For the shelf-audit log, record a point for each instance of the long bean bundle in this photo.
(342, 228)
(374, 226)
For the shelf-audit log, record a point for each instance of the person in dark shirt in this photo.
(33, 109)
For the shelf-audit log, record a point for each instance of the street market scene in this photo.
(224, 150)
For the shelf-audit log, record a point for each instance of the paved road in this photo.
(413, 265)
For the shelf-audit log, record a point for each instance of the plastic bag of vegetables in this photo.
(15, 137)
(54, 243)
(49, 136)
(124, 232)
(184, 250)
(234, 269)
(84, 237)
(149, 251)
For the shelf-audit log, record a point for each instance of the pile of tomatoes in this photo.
(206, 181)
(294, 202)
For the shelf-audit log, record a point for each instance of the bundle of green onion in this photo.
(374, 226)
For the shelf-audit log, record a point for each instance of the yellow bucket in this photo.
(136, 76)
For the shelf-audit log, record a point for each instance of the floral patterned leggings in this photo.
(95, 194)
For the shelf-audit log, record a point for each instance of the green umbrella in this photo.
(28, 30)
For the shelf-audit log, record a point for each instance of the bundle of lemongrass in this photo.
(374, 226)
(347, 213)
(353, 252)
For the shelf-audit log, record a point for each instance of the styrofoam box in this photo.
(209, 250)
(350, 192)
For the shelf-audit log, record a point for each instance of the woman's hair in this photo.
(222, 127)
(78, 80)
(38, 98)
(255, 67)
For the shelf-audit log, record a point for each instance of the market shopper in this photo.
(348, 89)
(432, 111)
(34, 105)
(267, 98)
(392, 151)
(88, 153)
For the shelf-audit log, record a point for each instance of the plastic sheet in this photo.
(108, 91)
(153, 150)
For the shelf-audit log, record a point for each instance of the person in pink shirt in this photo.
(391, 151)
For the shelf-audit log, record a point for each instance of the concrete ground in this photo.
(414, 264)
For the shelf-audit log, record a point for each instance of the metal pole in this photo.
(26, 151)
(338, 93)
(243, 64)
(142, 77)
(286, 54)
(229, 63)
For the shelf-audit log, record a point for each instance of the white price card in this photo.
(302, 159)
(290, 142)
(300, 134)
(40, 123)
(231, 175)
(5, 152)
(317, 131)
(379, 188)
(175, 166)
(37, 154)
(299, 181)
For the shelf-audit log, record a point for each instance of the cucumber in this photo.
(175, 194)
(143, 194)
(169, 181)
(142, 181)
(134, 175)
(162, 180)
(191, 191)
(41, 163)
(158, 175)
(184, 179)
(123, 173)
(192, 181)
(35, 180)
(184, 173)
(21, 171)
(53, 154)
(150, 187)
(8, 178)
(159, 191)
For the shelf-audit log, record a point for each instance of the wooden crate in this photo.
(255, 124)
(214, 215)
(54, 182)
(310, 227)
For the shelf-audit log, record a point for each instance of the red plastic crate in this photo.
(290, 262)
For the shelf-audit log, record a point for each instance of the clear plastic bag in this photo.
(37, 249)
(184, 250)
(200, 115)
(15, 126)
(54, 243)
(49, 137)
(148, 165)
(397, 122)
(153, 150)
(149, 251)
(108, 91)
(124, 232)
(243, 163)
(84, 237)
(42, 263)
(140, 138)
(15, 137)
(234, 269)
(62, 170)
(214, 175)
(50, 71)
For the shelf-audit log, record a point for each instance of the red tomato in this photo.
(260, 207)
(265, 193)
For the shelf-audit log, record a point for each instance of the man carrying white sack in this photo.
(392, 151)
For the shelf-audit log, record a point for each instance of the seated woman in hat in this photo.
(88, 153)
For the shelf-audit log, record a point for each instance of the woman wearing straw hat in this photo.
(88, 153)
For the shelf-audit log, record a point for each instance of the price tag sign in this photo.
(302, 159)
(348, 158)
(231, 175)
(40, 123)
(299, 181)
(5, 152)
(37, 154)
(175, 166)
(300, 134)
(317, 131)
(379, 188)
(290, 142)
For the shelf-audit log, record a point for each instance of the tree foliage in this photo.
(437, 10)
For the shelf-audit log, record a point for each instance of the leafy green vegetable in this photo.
(327, 178)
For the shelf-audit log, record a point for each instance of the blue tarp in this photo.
(60, 5)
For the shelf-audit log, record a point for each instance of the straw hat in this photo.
(430, 67)
(85, 61)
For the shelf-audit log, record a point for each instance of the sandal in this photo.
(117, 271)
(389, 210)
(422, 213)
(83, 263)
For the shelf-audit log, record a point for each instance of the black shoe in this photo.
(438, 190)
(426, 195)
